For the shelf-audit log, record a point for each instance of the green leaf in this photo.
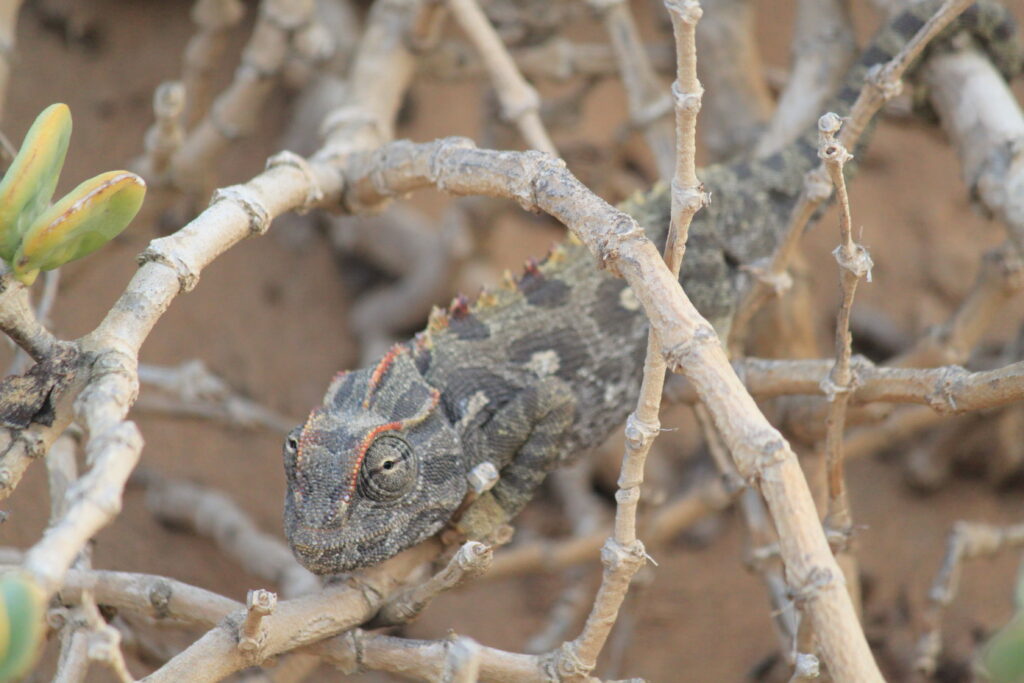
(1003, 655)
(28, 185)
(22, 608)
(80, 223)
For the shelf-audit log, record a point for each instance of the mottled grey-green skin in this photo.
(539, 370)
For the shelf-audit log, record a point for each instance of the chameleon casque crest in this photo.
(542, 368)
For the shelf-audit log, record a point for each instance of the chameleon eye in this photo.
(291, 450)
(388, 471)
(291, 442)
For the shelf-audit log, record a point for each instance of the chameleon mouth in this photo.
(313, 540)
(326, 551)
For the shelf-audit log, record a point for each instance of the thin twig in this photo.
(519, 100)
(19, 321)
(212, 514)
(967, 541)
(623, 554)
(855, 264)
(881, 84)
(649, 104)
(191, 389)
(165, 137)
(234, 112)
(823, 51)
(705, 498)
(470, 561)
(737, 102)
(214, 20)
(984, 119)
(947, 390)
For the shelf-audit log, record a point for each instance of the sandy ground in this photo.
(272, 321)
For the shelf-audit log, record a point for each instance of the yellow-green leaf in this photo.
(1002, 657)
(22, 608)
(28, 185)
(80, 223)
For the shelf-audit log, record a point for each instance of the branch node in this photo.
(831, 388)
(689, 11)
(830, 123)
(688, 102)
(259, 216)
(818, 580)
(806, 665)
(761, 270)
(858, 262)
(181, 263)
(314, 194)
(160, 598)
(880, 76)
(683, 354)
(639, 433)
(568, 665)
(817, 185)
(347, 118)
(259, 603)
(35, 445)
(462, 660)
(942, 397)
(770, 449)
(437, 162)
(689, 198)
(226, 130)
(616, 557)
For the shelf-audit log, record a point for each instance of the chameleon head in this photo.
(373, 470)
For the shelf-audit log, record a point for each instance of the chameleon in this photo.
(543, 367)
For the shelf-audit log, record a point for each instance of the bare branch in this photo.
(555, 59)
(519, 100)
(967, 541)
(985, 120)
(428, 660)
(294, 623)
(156, 597)
(1000, 278)
(212, 514)
(649, 103)
(705, 498)
(214, 19)
(165, 137)
(737, 102)
(234, 112)
(19, 321)
(470, 561)
(881, 84)
(823, 51)
(947, 390)
(197, 392)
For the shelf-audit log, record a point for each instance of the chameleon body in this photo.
(542, 368)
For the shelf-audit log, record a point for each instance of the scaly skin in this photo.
(539, 370)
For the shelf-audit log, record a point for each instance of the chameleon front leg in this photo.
(525, 441)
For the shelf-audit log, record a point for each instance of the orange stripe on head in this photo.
(378, 372)
(364, 445)
(306, 435)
